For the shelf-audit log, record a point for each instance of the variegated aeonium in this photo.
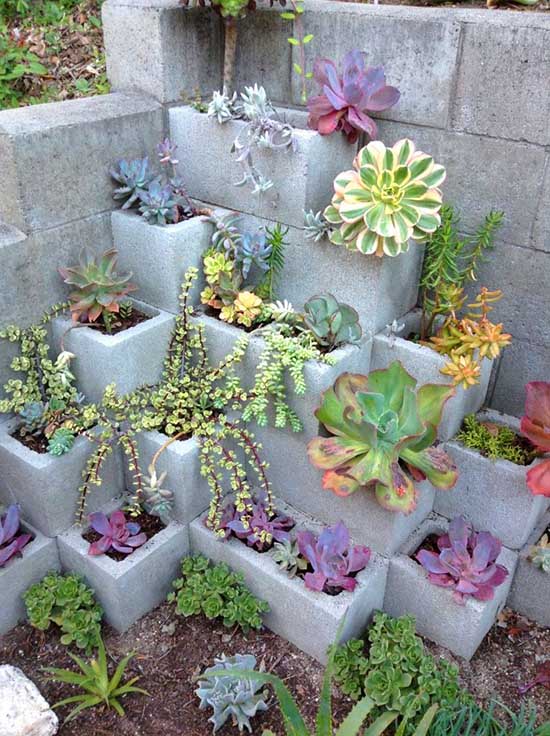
(390, 196)
(383, 431)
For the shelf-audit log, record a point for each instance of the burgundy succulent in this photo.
(11, 543)
(332, 558)
(256, 525)
(347, 98)
(116, 533)
(466, 562)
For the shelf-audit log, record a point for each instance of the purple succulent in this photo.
(255, 525)
(465, 563)
(166, 151)
(332, 558)
(11, 543)
(117, 533)
(347, 98)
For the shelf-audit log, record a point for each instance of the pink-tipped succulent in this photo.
(332, 557)
(347, 98)
(256, 525)
(116, 534)
(535, 425)
(11, 543)
(466, 562)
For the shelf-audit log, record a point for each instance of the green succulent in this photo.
(350, 667)
(383, 429)
(61, 441)
(390, 197)
(331, 322)
(539, 554)
(287, 555)
(494, 441)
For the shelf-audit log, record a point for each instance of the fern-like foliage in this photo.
(494, 441)
(275, 261)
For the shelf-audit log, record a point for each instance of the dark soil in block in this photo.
(120, 324)
(35, 442)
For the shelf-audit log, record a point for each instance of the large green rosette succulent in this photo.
(383, 429)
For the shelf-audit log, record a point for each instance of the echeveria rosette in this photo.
(333, 558)
(535, 425)
(11, 542)
(383, 430)
(392, 195)
(347, 98)
(466, 562)
(116, 533)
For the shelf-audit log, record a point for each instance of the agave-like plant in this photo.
(390, 196)
(535, 425)
(346, 98)
(383, 431)
(466, 562)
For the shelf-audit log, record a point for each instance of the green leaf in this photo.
(36, 68)
(297, 68)
(308, 38)
(288, 16)
(293, 41)
(381, 724)
(354, 720)
(309, 75)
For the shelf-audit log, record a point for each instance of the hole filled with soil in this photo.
(35, 442)
(119, 324)
(150, 525)
(429, 544)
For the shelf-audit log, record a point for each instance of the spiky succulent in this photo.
(134, 177)
(332, 322)
(346, 98)
(12, 541)
(229, 697)
(535, 425)
(383, 431)
(539, 554)
(466, 562)
(390, 196)
(158, 204)
(287, 555)
(156, 500)
(315, 226)
(223, 107)
(99, 289)
(61, 441)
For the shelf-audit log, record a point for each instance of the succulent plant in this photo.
(156, 500)
(99, 289)
(389, 197)
(230, 697)
(331, 322)
(61, 441)
(227, 236)
(254, 251)
(223, 107)
(539, 554)
(466, 562)
(247, 307)
(383, 430)
(346, 98)
(166, 152)
(332, 557)
(158, 204)
(535, 425)
(116, 533)
(287, 555)
(32, 416)
(11, 541)
(134, 177)
(256, 523)
(315, 226)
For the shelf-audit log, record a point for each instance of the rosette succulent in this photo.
(466, 562)
(535, 425)
(390, 196)
(116, 533)
(383, 428)
(347, 98)
(256, 524)
(539, 554)
(332, 322)
(133, 177)
(12, 541)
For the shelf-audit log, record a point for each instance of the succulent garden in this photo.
(251, 478)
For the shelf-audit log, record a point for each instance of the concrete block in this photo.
(297, 482)
(129, 588)
(72, 144)
(522, 362)
(46, 487)
(38, 558)
(395, 38)
(162, 48)
(541, 234)
(181, 461)
(486, 101)
(293, 606)
(438, 617)
(531, 586)
(425, 365)
(492, 160)
(493, 494)
(159, 257)
(313, 160)
(131, 358)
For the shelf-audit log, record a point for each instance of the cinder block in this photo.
(72, 145)
(531, 586)
(541, 233)
(159, 257)
(131, 358)
(293, 607)
(46, 487)
(37, 559)
(493, 494)
(297, 482)
(522, 48)
(425, 365)
(522, 362)
(161, 48)
(438, 616)
(492, 160)
(313, 160)
(129, 588)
